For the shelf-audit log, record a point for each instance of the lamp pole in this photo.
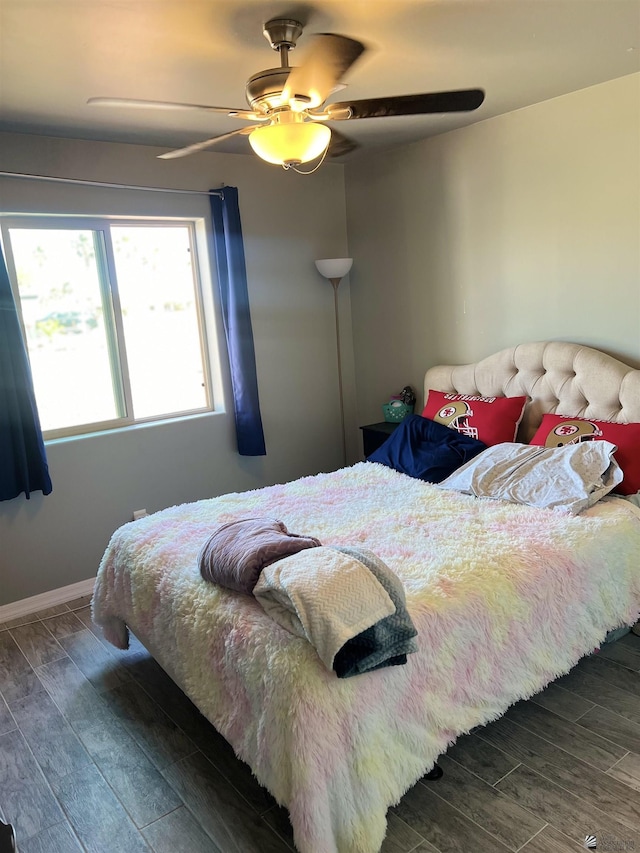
(334, 283)
(335, 269)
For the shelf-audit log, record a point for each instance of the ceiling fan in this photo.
(287, 104)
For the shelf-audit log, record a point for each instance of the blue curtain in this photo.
(23, 461)
(234, 297)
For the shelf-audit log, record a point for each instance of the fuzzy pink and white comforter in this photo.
(505, 598)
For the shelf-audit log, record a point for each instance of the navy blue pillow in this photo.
(426, 450)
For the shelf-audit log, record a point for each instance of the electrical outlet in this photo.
(139, 513)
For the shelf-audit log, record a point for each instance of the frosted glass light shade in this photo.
(334, 267)
(294, 143)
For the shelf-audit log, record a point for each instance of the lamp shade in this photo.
(290, 143)
(334, 267)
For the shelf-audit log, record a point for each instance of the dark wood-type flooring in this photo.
(101, 752)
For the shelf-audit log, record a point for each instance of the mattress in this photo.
(505, 599)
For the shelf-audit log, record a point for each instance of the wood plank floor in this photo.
(101, 752)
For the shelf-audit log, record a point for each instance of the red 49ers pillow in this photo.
(489, 419)
(559, 430)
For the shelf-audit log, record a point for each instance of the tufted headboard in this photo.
(569, 379)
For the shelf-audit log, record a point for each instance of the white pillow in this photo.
(571, 478)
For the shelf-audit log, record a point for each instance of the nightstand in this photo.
(373, 435)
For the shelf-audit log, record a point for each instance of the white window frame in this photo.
(114, 329)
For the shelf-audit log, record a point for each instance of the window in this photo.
(112, 318)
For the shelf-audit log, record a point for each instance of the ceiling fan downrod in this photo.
(283, 34)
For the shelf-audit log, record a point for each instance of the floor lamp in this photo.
(335, 269)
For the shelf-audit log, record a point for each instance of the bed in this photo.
(505, 599)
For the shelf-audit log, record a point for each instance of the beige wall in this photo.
(288, 221)
(522, 227)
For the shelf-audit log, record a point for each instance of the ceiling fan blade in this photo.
(327, 60)
(463, 100)
(174, 105)
(340, 144)
(207, 143)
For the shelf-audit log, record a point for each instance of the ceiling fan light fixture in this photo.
(289, 144)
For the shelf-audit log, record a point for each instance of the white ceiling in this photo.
(54, 54)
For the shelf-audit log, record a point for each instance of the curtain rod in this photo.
(219, 193)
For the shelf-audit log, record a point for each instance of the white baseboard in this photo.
(46, 599)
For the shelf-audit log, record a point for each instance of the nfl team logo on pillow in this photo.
(456, 416)
(572, 432)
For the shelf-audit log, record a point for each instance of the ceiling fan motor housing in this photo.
(264, 89)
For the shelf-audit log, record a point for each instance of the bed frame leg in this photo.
(435, 773)
(7, 838)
